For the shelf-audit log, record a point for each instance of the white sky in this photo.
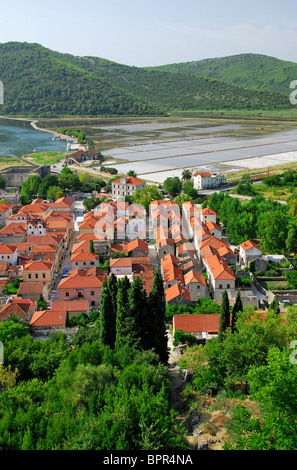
(154, 32)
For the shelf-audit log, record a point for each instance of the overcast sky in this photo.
(154, 32)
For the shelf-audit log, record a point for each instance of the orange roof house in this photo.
(81, 284)
(177, 294)
(38, 270)
(204, 326)
(48, 319)
(17, 306)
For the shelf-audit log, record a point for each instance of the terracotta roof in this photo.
(84, 256)
(16, 307)
(193, 276)
(171, 273)
(129, 180)
(51, 238)
(176, 291)
(31, 288)
(197, 323)
(208, 211)
(137, 243)
(211, 225)
(7, 249)
(83, 245)
(4, 207)
(170, 259)
(70, 306)
(48, 318)
(184, 247)
(121, 262)
(80, 280)
(248, 245)
(219, 268)
(14, 228)
(38, 266)
(203, 175)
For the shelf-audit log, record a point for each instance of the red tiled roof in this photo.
(137, 243)
(31, 288)
(193, 276)
(129, 180)
(38, 266)
(197, 323)
(48, 318)
(175, 291)
(248, 245)
(70, 306)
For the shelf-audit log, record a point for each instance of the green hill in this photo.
(174, 91)
(245, 70)
(42, 82)
(38, 82)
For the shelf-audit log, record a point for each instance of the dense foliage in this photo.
(245, 70)
(98, 389)
(180, 91)
(267, 220)
(41, 82)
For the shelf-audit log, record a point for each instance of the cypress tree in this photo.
(137, 317)
(157, 328)
(224, 317)
(238, 307)
(112, 286)
(107, 318)
(122, 325)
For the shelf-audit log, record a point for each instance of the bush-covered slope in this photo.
(38, 82)
(246, 70)
(42, 82)
(179, 91)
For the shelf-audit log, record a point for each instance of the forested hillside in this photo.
(179, 91)
(41, 82)
(37, 82)
(246, 70)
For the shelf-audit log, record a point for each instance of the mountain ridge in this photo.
(43, 82)
(257, 71)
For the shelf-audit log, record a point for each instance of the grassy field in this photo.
(45, 158)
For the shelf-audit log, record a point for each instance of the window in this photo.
(29, 276)
(36, 276)
(93, 303)
(66, 294)
(92, 293)
(43, 275)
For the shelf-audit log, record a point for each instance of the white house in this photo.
(204, 180)
(249, 251)
(9, 254)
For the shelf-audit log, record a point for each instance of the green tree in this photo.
(138, 313)
(186, 175)
(54, 193)
(274, 306)
(238, 307)
(224, 317)
(146, 195)
(157, 337)
(173, 186)
(122, 320)
(273, 230)
(107, 319)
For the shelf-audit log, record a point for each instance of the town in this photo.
(55, 257)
